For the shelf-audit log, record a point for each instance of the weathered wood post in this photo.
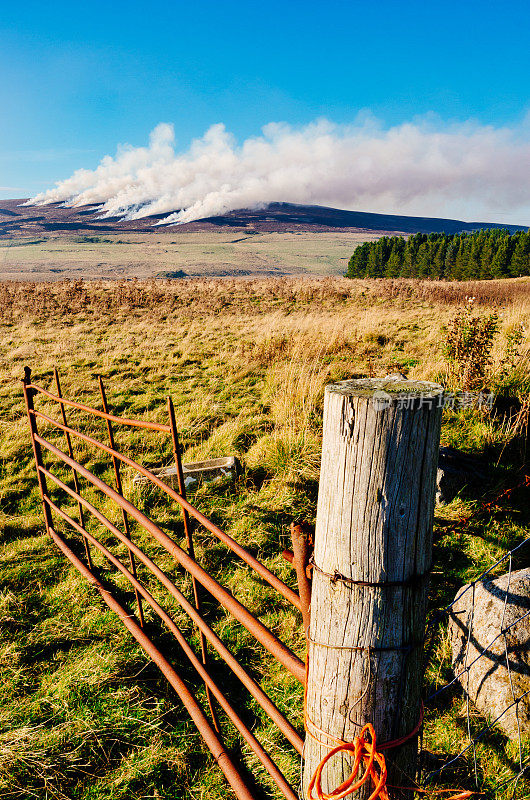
(372, 558)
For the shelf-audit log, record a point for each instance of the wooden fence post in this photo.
(372, 558)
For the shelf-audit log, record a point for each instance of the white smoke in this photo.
(421, 168)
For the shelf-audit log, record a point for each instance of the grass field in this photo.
(227, 252)
(83, 714)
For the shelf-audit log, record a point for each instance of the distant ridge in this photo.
(289, 213)
(17, 220)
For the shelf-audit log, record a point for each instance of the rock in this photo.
(214, 469)
(396, 376)
(499, 604)
(456, 470)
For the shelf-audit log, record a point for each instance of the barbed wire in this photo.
(462, 677)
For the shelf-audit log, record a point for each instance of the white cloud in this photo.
(422, 168)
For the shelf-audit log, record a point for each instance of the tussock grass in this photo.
(193, 297)
(83, 714)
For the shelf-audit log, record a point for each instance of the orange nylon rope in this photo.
(365, 753)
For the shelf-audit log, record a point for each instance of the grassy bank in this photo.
(82, 712)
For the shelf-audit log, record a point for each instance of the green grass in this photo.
(83, 713)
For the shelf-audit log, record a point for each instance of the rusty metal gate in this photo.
(201, 580)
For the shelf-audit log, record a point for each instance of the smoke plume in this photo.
(422, 168)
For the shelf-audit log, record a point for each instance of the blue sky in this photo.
(78, 78)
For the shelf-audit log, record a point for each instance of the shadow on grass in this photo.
(11, 532)
(47, 651)
(458, 770)
(233, 690)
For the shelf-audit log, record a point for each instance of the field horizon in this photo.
(52, 242)
(182, 254)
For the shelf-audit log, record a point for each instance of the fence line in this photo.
(209, 730)
(441, 617)
(260, 568)
(279, 650)
(203, 582)
(259, 695)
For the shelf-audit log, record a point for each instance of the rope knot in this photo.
(364, 751)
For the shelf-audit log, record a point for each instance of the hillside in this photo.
(52, 243)
(17, 220)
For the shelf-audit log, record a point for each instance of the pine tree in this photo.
(394, 265)
(500, 265)
(520, 261)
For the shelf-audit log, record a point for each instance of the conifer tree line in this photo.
(490, 253)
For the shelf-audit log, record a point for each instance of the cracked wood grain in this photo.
(374, 524)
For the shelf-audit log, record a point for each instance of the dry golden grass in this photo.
(246, 361)
(199, 296)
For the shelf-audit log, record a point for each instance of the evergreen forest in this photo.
(483, 254)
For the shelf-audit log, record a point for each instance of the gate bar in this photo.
(249, 559)
(119, 489)
(37, 452)
(260, 631)
(135, 423)
(191, 550)
(249, 737)
(195, 711)
(254, 688)
(74, 473)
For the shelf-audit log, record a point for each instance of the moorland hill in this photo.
(21, 220)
